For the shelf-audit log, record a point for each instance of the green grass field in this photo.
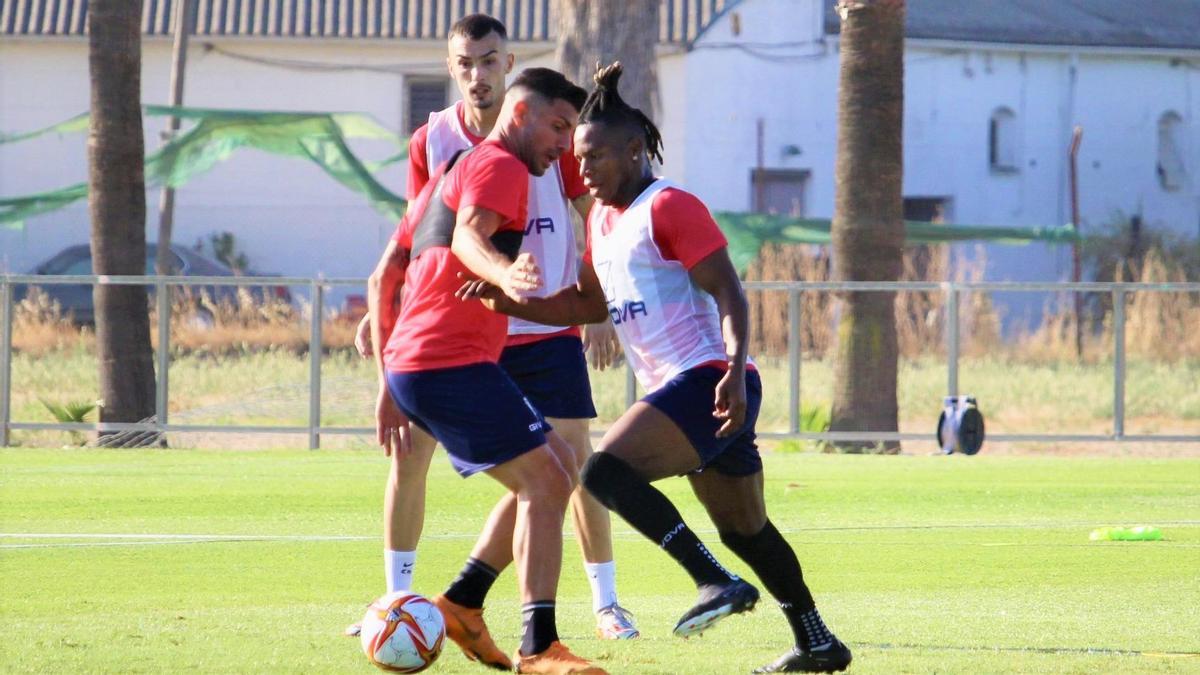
(254, 561)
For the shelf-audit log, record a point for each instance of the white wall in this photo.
(290, 218)
(287, 216)
(723, 91)
(950, 94)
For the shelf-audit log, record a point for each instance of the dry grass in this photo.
(198, 326)
(1163, 325)
(920, 315)
(1160, 327)
(39, 327)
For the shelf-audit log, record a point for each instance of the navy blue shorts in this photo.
(688, 400)
(475, 412)
(553, 375)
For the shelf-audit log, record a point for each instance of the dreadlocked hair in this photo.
(605, 105)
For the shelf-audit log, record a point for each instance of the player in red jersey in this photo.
(547, 363)
(437, 358)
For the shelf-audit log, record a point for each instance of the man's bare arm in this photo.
(570, 306)
(472, 245)
(382, 288)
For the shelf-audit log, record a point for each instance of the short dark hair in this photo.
(605, 105)
(477, 27)
(551, 85)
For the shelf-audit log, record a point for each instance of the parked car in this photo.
(75, 300)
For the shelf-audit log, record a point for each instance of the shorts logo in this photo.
(539, 225)
(628, 311)
(537, 417)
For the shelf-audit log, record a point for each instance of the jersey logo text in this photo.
(539, 225)
(628, 311)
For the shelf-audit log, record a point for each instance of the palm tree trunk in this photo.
(117, 198)
(868, 230)
(596, 30)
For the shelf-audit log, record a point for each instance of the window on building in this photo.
(1002, 140)
(424, 97)
(1170, 151)
(926, 209)
(921, 259)
(778, 191)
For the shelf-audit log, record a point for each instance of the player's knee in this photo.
(602, 472)
(408, 473)
(742, 535)
(549, 480)
(737, 524)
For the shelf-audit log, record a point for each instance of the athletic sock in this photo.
(472, 584)
(774, 561)
(398, 569)
(603, 578)
(819, 637)
(616, 485)
(538, 629)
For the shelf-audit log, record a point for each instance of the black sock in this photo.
(472, 584)
(616, 485)
(774, 561)
(814, 627)
(539, 630)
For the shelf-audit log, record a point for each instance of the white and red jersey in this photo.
(549, 234)
(642, 256)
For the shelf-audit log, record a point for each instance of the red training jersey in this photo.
(418, 176)
(434, 328)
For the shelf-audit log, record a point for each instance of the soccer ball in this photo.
(403, 632)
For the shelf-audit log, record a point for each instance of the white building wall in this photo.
(286, 214)
(728, 90)
(290, 218)
(951, 91)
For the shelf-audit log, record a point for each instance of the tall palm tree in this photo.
(117, 199)
(596, 30)
(868, 229)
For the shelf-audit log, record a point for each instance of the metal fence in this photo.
(318, 288)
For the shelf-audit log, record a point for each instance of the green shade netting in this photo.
(214, 135)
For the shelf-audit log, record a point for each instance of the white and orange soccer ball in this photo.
(403, 632)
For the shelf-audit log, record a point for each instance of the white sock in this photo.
(603, 578)
(398, 569)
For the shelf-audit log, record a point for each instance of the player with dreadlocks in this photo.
(657, 264)
(682, 318)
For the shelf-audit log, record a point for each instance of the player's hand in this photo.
(730, 404)
(362, 338)
(478, 289)
(521, 276)
(601, 344)
(391, 425)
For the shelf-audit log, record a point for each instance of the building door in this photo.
(778, 191)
